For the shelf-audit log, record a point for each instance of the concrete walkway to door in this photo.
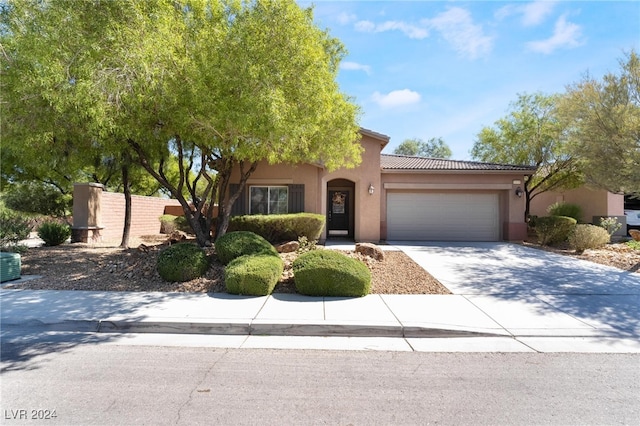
(526, 290)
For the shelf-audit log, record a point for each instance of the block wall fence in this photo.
(98, 215)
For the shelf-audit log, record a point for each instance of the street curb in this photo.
(248, 328)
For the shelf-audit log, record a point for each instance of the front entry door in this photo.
(338, 215)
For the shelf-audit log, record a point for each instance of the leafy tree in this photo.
(532, 134)
(605, 130)
(434, 147)
(37, 197)
(262, 86)
(234, 83)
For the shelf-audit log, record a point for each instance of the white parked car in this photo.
(633, 217)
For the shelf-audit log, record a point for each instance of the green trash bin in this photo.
(9, 266)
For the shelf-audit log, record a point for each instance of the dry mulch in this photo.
(104, 267)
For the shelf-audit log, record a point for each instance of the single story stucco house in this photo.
(392, 197)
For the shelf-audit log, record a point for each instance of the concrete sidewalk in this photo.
(507, 296)
(419, 319)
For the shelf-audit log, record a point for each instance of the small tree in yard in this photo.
(533, 134)
(262, 87)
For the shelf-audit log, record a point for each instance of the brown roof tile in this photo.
(403, 162)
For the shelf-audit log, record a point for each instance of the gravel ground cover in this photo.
(106, 267)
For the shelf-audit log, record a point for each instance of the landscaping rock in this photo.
(289, 247)
(371, 250)
(176, 237)
(635, 234)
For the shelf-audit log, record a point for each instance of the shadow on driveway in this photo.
(601, 296)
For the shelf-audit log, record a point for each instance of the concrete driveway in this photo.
(527, 289)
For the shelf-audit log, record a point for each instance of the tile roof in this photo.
(403, 162)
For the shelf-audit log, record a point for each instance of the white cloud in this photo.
(396, 98)
(565, 35)
(345, 18)
(456, 27)
(354, 66)
(533, 13)
(410, 30)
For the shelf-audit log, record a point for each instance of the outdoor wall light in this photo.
(371, 189)
(519, 192)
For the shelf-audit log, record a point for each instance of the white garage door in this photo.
(442, 217)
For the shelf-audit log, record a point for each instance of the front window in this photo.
(268, 200)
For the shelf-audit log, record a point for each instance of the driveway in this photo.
(525, 288)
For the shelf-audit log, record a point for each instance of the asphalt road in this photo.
(86, 381)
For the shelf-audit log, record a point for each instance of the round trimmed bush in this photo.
(565, 209)
(54, 233)
(331, 273)
(182, 262)
(586, 236)
(240, 243)
(554, 229)
(254, 275)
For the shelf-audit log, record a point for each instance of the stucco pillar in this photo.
(86, 212)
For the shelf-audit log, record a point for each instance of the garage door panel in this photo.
(443, 217)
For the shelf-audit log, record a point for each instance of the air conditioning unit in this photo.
(9, 266)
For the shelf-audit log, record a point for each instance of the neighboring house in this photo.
(391, 197)
(595, 203)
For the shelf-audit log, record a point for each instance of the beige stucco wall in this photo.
(370, 210)
(594, 202)
(315, 179)
(511, 206)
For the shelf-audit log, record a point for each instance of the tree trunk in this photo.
(224, 203)
(127, 207)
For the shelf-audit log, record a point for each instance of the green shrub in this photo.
(235, 244)
(586, 236)
(565, 209)
(330, 273)
(54, 233)
(182, 262)
(254, 275)
(633, 244)
(281, 227)
(554, 229)
(13, 228)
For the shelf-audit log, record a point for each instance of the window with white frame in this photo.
(268, 199)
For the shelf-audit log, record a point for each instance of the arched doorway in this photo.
(340, 208)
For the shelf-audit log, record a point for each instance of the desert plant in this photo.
(182, 262)
(554, 229)
(565, 209)
(585, 236)
(167, 224)
(54, 233)
(330, 273)
(254, 275)
(13, 228)
(306, 244)
(611, 224)
(235, 244)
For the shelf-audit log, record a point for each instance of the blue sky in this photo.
(448, 68)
